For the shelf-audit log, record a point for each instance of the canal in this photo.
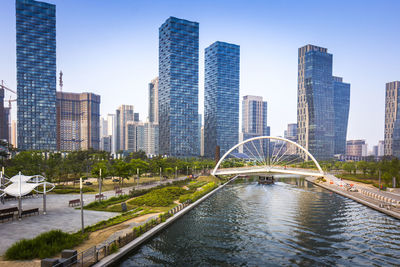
(286, 224)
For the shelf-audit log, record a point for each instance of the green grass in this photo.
(159, 197)
(198, 194)
(115, 220)
(43, 246)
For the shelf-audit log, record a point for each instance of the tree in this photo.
(348, 167)
(362, 165)
(122, 170)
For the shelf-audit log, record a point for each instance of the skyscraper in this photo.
(111, 130)
(78, 121)
(36, 75)
(221, 97)
(315, 109)
(341, 105)
(153, 100)
(392, 119)
(254, 122)
(178, 87)
(123, 114)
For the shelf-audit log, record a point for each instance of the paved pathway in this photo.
(59, 215)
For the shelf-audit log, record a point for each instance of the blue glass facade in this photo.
(315, 112)
(341, 103)
(221, 97)
(36, 75)
(179, 88)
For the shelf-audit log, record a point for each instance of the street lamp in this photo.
(176, 172)
(81, 186)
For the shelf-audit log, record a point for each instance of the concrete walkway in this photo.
(374, 200)
(59, 215)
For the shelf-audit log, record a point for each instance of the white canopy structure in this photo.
(21, 185)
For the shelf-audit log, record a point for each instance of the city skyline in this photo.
(273, 76)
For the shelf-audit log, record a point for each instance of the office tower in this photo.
(6, 124)
(221, 97)
(153, 100)
(142, 136)
(254, 116)
(374, 151)
(392, 119)
(78, 121)
(103, 127)
(136, 117)
(123, 114)
(3, 118)
(178, 88)
(356, 148)
(151, 138)
(105, 143)
(254, 123)
(381, 148)
(36, 75)
(202, 141)
(111, 130)
(135, 137)
(341, 106)
(291, 132)
(315, 109)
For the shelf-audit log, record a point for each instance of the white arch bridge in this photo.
(268, 154)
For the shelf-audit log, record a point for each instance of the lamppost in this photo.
(187, 171)
(176, 172)
(137, 170)
(160, 173)
(379, 171)
(100, 185)
(81, 186)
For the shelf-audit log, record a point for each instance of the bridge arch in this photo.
(286, 141)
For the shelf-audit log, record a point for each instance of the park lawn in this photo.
(361, 178)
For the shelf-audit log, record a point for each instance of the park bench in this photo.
(7, 214)
(74, 202)
(30, 212)
(119, 192)
(99, 197)
(7, 217)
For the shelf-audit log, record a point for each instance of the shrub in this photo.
(71, 190)
(113, 248)
(159, 197)
(43, 246)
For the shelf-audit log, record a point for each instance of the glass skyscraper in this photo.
(315, 109)
(392, 119)
(178, 88)
(221, 97)
(341, 103)
(36, 75)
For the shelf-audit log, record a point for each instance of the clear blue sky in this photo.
(111, 48)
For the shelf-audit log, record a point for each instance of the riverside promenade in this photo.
(382, 201)
(59, 215)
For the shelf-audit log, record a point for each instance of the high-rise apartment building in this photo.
(111, 130)
(341, 105)
(14, 134)
(221, 97)
(142, 136)
(315, 109)
(381, 148)
(153, 100)
(356, 148)
(178, 88)
(36, 75)
(123, 114)
(392, 119)
(254, 122)
(254, 116)
(78, 121)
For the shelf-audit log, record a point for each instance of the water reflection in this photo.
(289, 223)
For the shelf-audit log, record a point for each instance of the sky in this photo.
(111, 48)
